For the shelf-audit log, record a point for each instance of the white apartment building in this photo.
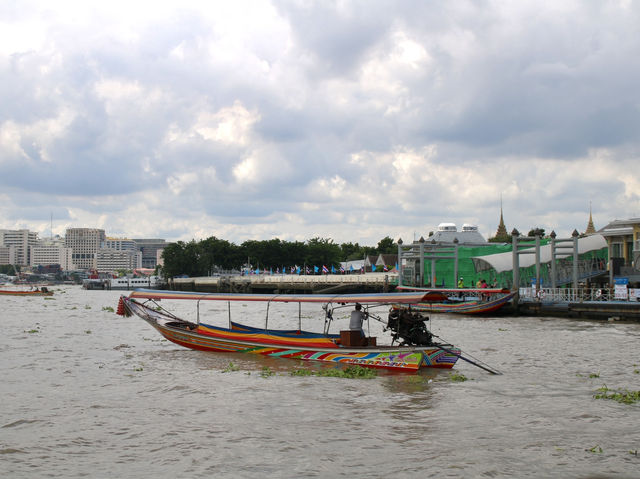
(110, 260)
(120, 244)
(47, 253)
(85, 243)
(7, 255)
(22, 240)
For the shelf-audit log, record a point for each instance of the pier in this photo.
(580, 303)
(587, 303)
(289, 283)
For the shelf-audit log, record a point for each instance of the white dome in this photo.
(447, 227)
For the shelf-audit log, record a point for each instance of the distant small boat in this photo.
(461, 301)
(35, 292)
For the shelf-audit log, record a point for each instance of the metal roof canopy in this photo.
(501, 262)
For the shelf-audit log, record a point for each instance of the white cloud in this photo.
(353, 120)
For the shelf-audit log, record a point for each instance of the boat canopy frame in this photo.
(330, 302)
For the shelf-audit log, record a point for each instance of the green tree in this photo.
(387, 246)
(351, 252)
(532, 232)
(322, 251)
(180, 258)
(9, 269)
(216, 254)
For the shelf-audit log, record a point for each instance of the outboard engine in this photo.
(409, 327)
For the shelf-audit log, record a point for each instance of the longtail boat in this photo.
(17, 292)
(461, 301)
(415, 348)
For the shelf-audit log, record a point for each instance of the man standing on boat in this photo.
(357, 317)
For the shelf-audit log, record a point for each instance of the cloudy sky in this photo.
(350, 120)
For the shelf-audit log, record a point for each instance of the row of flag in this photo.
(316, 270)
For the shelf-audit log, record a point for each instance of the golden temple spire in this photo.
(502, 234)
(590, 228)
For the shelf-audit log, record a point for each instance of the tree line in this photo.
(201, 258)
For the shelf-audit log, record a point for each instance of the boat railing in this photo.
(566, 295)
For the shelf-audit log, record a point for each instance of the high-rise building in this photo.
(85, 243)
(52, 251)
(120, 244)
(109, 260)
(149, 249)
(8, 255)
(22, 240)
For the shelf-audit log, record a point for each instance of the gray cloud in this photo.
(354, 120)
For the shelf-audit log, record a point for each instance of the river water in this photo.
(87, 393)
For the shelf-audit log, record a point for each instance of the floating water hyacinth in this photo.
(625, 396)
(458, 377)
(351, 372)
(230, 367)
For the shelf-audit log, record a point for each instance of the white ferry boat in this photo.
(127, 283)
(124, 283)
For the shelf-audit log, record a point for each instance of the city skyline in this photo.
(351, 120)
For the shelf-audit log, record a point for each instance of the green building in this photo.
(442, 265)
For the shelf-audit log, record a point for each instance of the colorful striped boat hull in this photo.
(208, 338)
(495, 302)
(8, 292)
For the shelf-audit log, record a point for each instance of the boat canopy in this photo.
(504, 261)
(371, 298)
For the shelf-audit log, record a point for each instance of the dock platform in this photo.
(614, 310)
(289, 283)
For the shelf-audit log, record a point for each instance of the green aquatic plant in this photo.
(266, 372)
(458, 377)
(31, 331)
(351, 372)
(301, 372)
(88, 331)
(138, 368)
(49, 299)
(594, 375)
(359, 372)
(109, 309)
(231, 367)
(86, 306)
(595, 449)
(624, 396)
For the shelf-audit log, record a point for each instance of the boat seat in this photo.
(349, 338)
